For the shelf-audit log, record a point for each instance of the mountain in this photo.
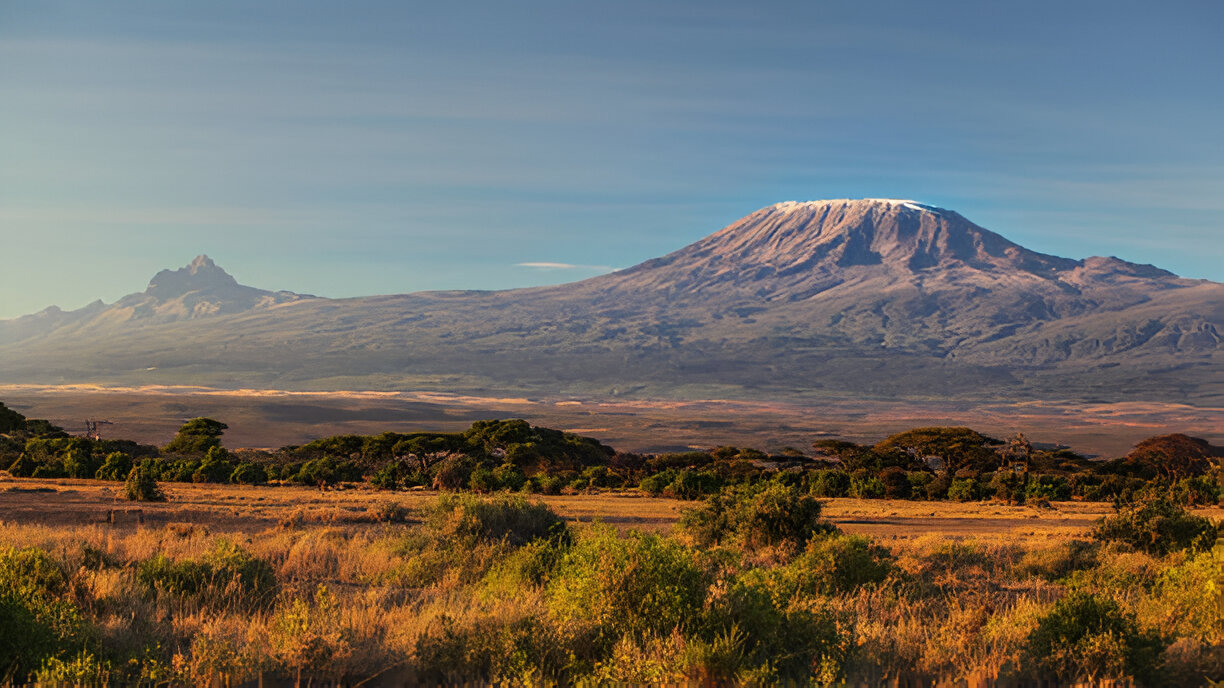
(873, 297)
(199, 290)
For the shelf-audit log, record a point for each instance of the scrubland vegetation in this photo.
(754, 586)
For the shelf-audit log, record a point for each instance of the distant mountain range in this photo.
(850, 298)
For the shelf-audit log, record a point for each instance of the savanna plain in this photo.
(509, 554)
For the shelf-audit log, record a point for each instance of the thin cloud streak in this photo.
(545, 265)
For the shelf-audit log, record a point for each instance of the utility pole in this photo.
(91, 428)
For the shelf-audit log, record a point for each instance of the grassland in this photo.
(234, 585)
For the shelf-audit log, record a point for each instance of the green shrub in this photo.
(249, 474)
(633, 584)
(36, 622)
(509, 477)
(775, 642)
(116, 467)
(764, 516)
(1054, 488)
(81, 463)
(506, 518)
(483, 480)
(693, 485)
(390, 477)
(1087, 637)
(964, 490)
(830, 483)
(141, 486)
(828, 565)
(655, 484)
(226, 574)
(23, 466)
(866, 486)
(51, 469)
(1158, 526)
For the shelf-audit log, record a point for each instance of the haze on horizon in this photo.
(381, 147)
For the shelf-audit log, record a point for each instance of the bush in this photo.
(866, 486)
(655, 484)
(36, 624)
(81, 463)
(964, 490)
(634, 584)
(249, 474)
(830, 483)
(509, 477)
(774, 642)
(116, 467)
(453, 473)
(771, 515)
(227, 572)
(141, 485)
(23, 467)
(508, 518)
(1052, 488)
(1157, 526)
(829, 565)
(215, 468)
(895, 482)
(483, 480)
(1087, 637)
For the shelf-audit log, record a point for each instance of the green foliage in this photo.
(36, 623)
(775, 640)
(864, 485)
(964, 490)
(248, 473)
(226, 574)
(141, 485)
(634, 584)
(23, 467)
(81, 463)
(116, 467)
(957, 447)
(828, 565)
(830, 483)
(765, 516)
(197, 436)
(1088, 637)
(1158, 526)
(329, 470)
(216, 467)
(1053, 488)
(505, 518)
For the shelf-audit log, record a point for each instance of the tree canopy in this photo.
(197, 436)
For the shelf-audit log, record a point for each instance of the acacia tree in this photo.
(958, 447)
(1174, 456)
(197, 436)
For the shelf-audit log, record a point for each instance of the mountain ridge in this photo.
(873, 296)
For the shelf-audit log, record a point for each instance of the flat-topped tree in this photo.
(197, 436)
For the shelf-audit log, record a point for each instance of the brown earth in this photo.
(251, 510)
(273, 418)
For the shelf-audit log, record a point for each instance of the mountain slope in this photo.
(854, 297)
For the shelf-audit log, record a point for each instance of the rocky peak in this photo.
(202, 274)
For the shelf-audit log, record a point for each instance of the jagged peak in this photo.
(200, 274)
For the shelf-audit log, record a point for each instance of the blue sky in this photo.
(358, 148)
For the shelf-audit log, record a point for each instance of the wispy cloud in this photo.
(544, 265)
